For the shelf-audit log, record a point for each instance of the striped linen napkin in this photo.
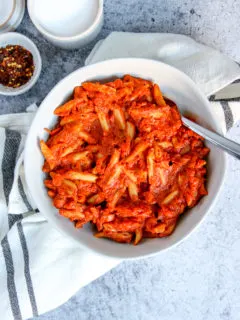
(39, 268)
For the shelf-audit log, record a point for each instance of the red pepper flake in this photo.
(16, 66)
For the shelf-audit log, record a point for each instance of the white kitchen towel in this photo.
(39, 268)
(209, 68)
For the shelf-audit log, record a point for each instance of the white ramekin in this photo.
(70, 42)
(14, 38)
(15, 16)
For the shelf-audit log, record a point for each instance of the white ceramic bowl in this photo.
(175, 85)
(15, 38)
(77, 39)
(11, 14)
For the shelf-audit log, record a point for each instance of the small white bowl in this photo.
(11, 14)
(175, 85)
(58, 34)
(14, 38)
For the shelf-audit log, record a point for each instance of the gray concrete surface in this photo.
(199, 279)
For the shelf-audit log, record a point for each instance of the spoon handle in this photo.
(229, 146)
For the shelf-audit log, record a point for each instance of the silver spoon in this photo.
(227, 145)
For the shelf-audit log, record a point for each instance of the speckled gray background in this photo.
(199, 279)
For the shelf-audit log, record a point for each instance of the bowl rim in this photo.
(20, 4)
(37, 62)
(9, 16)
(79, 36)
(21, 15)
(91, 249)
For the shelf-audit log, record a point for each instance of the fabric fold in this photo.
(210, 69)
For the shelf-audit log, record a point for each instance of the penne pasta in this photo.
(68, 107)
(116, 197)
(114, 159)
(133, 191)
(74, 175)
(119, 118)
(170, 197)
(150, 164)
(48, 155)
(103, 121)
(120, 158)
(158, 97)
(142, 146)
(130, 130)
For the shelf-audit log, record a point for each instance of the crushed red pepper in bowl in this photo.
(16, 66)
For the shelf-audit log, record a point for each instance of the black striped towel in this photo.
(39, 268)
